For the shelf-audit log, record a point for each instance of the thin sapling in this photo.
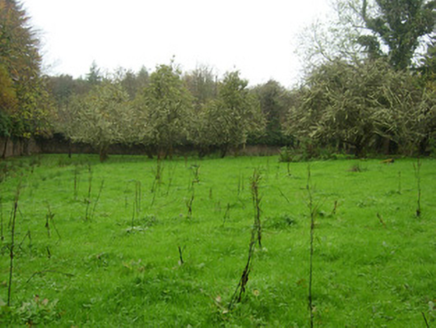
(417, 168)
(11, 249)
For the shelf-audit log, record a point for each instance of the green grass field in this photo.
(164, 245)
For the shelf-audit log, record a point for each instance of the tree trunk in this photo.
(359, 150)
(224, 150)
(423, 145)
(149, 152)
(5, 147)
(103, 153)
(69, 148)
(170, 151)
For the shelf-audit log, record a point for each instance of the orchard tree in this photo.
(236, 113)
(275, 101)
(100, 118)
(167, 105)
(361, 105)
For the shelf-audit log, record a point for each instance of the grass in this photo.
(131, 254)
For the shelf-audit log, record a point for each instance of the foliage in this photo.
(24, 96)
(100, 118)
(94, 76)
(33, 312)
(399, 24)
(337, 37)
(167, 105)
(370, 29)
(202, 84)
(360, 105)
(63, 87)
(8, 95)
(5, 125)
(133, 83)
(275, 101)
(228, 120)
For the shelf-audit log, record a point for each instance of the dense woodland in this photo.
(369, 88)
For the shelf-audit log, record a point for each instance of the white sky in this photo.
(256, 37)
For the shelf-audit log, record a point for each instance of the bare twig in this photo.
(11, 254)
(284, 196)
(88, 200)
(240, 288)
(2, 236)
(180, 256)
(425, 320)
(255, 237)
(381, 220)
(417, 168)
(312, 209)
(256, 204)
(48, 271)
(97, 199)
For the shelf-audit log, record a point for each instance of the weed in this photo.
(417, 169)
(28, 235)
(38, 311)
(399, 182)
(241, 186)
(170, 178)
(284, 196)
(158, 175)
(2, 236)
(196, 173)
(136, 202)
(256, 235)
(226, 214)
(381, 220)
(189, 202)
(76, 179)
(88, 199)
(356, 168)
(335, 207)
(280, 223)
(313, 210)
(240, 289)
(97, 199)
(50, 218)
(181, 262)
(12, 245)
(285, 155)
(256, 204)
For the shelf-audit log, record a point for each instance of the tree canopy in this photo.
(398, 24)
(25, 101)
(100, 118)
(168, 109)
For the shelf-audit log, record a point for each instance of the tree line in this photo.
(369, 87)
(168, 109)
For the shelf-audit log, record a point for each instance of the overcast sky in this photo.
(256, 37)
